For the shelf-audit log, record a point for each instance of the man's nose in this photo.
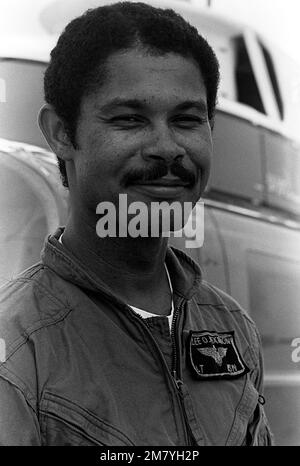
(162, 146)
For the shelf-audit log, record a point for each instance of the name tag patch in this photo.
(214, 355)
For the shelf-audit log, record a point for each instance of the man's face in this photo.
(144, 133)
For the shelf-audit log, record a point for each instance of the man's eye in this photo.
(189, 121)
(127, 120)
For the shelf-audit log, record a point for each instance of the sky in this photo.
(277, 19)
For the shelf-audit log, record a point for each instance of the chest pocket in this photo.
(63, 422)
(224, 409)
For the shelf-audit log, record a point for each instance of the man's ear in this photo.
(54, 132)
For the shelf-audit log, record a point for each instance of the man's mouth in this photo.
(165, 187)
(165, 181)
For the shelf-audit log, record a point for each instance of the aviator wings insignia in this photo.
(216, 353)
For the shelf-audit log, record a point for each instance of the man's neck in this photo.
(132, 267)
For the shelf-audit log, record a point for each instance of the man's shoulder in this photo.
(215, 304)
(29, 302)
(217, 299)
(210, 294)
(38, 282)
(218, 306)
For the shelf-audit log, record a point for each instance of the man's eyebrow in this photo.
(139, 105)
(188, 104)
(119, 102)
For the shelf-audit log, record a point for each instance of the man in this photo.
(116, 339)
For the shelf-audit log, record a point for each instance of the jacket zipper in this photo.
(176, 366)
(176, 370)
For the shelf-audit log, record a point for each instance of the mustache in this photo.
(157, 171)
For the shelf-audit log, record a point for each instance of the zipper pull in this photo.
(177, 381)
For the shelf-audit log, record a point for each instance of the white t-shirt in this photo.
(146, 314)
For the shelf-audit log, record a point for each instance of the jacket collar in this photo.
(185, 274)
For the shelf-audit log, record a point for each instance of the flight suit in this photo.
(82, 368)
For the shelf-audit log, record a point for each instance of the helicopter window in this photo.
(247, 89)
(273, 78)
